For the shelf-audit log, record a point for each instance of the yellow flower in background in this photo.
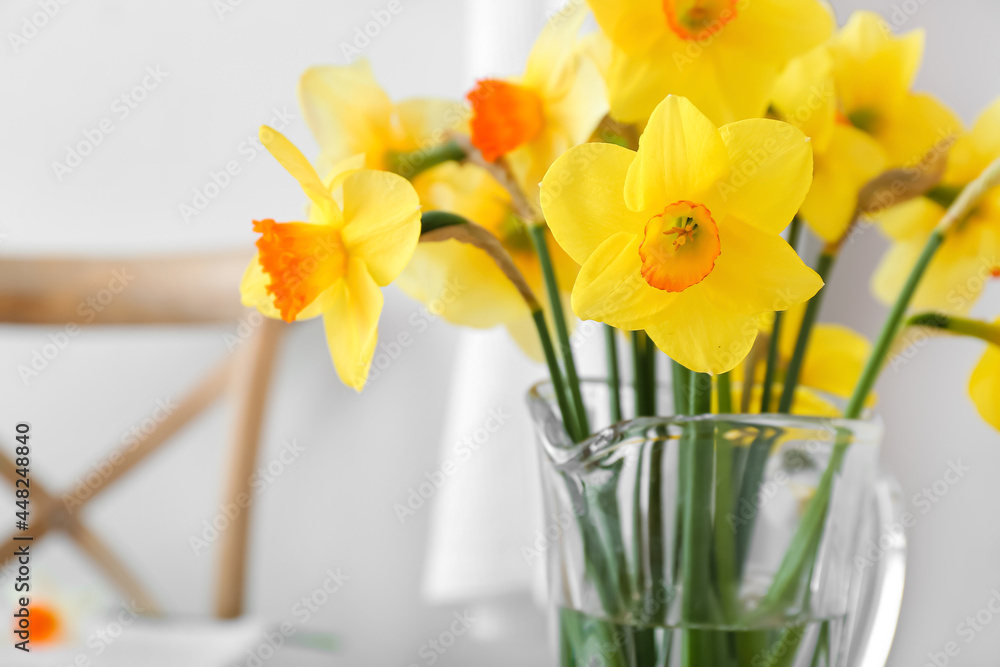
(834, 359)
(460, 282)
(844, 157)
(724, 55)
(682, 237)
(350, 114)
(556, 104)
(873, 73)
(970, 254)
(984, 385)
(363, 227)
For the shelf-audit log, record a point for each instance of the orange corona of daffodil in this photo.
(557, 103)
(682, 237)
(845, 158)
(350, 114)
(363, 227)
(970, 254)
(724, 55)
(873, 72)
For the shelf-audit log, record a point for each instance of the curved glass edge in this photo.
(562, 451)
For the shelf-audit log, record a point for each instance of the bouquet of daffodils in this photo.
(659, 176)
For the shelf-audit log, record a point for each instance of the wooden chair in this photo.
(195, 290)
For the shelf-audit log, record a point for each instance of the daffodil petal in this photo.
(552, 57)
(428, 122)
(461, 284)
(986, 131)
(771, 171)
(298, 166)
(611, 289)
(923, 124)
(253, 290)
(681, 156)
(583, 198)
(758, 272)
(834, 360)
(351, 323)
(805, 96)
(850, 161)
(913, 219)
(633, 26)
(984, 386)
(704, 336)
(792, 27)
(873, 69)
(381, 221)
(347, 111)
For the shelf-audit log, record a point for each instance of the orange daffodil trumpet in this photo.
(724, 55)
(682, 237)
(556, 104)
(362, 229)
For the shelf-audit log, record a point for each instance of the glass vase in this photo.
(717, 540)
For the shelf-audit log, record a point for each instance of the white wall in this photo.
(333, 506)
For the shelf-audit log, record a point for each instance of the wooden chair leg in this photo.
(198, 399)
(249, 383)
(102, 555)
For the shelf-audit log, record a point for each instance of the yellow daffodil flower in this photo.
(806, 402)
(970, 255)
(460, 282)
(724, 55)
(363, 227)
(873, 72)
(350, 114)
(556, 104)
(682, 237)
(844, 157)
(984, 385)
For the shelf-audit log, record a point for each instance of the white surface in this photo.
(334, 506)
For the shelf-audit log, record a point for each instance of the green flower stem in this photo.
(772, 348)
(410, 164)
(959, 211)
(823, 268)
(558, 384)
(960, 326)
(643, 374)
(562, 332)
(682, 388)
(698, 601)
(725, 394)
(614, 377)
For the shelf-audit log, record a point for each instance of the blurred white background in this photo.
(226, 67)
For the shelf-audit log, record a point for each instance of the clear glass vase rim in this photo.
(869, 428)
